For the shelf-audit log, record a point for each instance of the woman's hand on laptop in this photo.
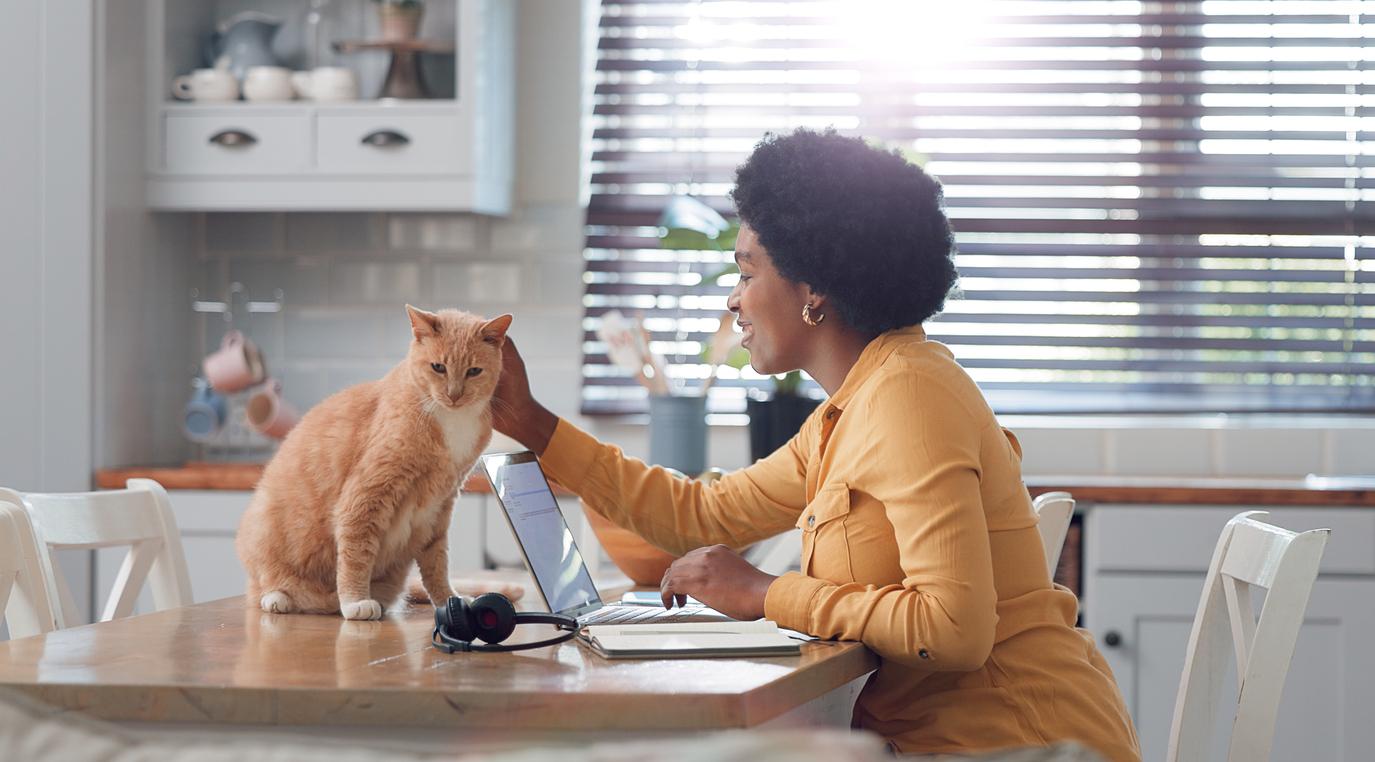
(718, 577)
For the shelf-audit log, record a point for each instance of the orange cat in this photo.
(365, 484)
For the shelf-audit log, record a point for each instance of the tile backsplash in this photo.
(344, 278)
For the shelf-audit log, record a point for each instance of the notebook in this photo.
(693, 640)
(560, 574)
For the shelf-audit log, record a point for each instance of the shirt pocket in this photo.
(825, 547)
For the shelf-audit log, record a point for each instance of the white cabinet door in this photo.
(1329, 690)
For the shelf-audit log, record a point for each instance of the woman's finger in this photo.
(666, 591)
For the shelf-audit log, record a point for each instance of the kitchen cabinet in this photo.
(1145, 567)
(446, 154)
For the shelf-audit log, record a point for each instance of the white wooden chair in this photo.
(1053, 512)
(139, 517)
(24, 603)
(1249, 554)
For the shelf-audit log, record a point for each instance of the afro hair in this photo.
(859, 224)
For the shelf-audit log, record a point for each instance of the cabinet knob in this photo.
(385, 139)
(1112, 638)
(233, 138)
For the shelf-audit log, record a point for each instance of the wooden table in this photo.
(203, 667)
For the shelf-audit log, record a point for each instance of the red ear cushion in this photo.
(488, 618)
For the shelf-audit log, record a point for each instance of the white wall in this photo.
(45, 226)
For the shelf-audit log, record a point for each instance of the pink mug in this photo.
(268, 412)
(235, 366)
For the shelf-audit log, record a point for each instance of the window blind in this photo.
(1159, 206)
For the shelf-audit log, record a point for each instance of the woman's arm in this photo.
(674, 513)
(921, 462)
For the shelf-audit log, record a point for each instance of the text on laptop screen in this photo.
(544, 536)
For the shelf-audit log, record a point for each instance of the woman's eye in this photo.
(474, 372)
(744, 277)
(438, 367)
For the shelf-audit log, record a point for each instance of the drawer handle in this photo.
(233, 138)
(385, 139)
(1112, 639)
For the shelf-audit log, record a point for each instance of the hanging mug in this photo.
(204, 414)
(268, 412)
(235, 366)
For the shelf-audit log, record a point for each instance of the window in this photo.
(1159, 206)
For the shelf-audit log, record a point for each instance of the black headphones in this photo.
(491, 618)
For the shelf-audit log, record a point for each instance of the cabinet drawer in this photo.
(248, 145)
(420, 144)
(1182, 539)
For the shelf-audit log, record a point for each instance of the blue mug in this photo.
(204, 413)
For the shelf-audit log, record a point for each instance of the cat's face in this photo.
(455, 356)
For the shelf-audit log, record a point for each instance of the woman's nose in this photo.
(733, 299)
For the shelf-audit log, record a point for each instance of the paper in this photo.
(690, 639)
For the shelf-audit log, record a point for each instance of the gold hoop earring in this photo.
(807, 316)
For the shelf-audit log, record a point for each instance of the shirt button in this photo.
(811, 521)
(923, 653)
(831, 413)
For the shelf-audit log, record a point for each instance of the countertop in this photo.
(241, 477)
(1313, 491)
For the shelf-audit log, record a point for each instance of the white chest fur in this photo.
(464, 432)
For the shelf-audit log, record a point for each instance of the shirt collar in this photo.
(872, 358)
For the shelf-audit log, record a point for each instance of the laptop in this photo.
(547, 544)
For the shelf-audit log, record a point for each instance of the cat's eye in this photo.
(474, 372)
(438, 367)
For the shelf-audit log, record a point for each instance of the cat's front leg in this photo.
(433, 559)
(358, 544)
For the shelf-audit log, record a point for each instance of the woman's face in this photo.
(768, 308)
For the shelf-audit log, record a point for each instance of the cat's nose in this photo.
(454, 397)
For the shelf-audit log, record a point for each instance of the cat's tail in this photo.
(415, 592)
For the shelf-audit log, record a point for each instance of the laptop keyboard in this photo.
(640, 614)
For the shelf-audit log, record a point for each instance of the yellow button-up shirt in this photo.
(918, 539)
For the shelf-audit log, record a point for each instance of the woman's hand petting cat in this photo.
(720, 578)
(515, 412)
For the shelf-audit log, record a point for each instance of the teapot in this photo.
(243, 41)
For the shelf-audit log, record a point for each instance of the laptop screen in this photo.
(540, 530)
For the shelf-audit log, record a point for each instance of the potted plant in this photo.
(400, 19)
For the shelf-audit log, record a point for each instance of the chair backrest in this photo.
(139, 517)
(1053, 512)
(1250, 554)
(24, 602)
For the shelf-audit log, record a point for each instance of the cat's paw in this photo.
(277, 602)
(368, 609)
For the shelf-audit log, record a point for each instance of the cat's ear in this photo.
(423, 324)
(494, 330)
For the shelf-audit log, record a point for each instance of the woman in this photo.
(919, 538)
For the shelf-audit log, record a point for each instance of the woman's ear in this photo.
(816, 300)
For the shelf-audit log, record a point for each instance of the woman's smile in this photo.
(747, 330)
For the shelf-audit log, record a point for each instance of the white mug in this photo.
(267, 83)
(206, 85)
(326, 83)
